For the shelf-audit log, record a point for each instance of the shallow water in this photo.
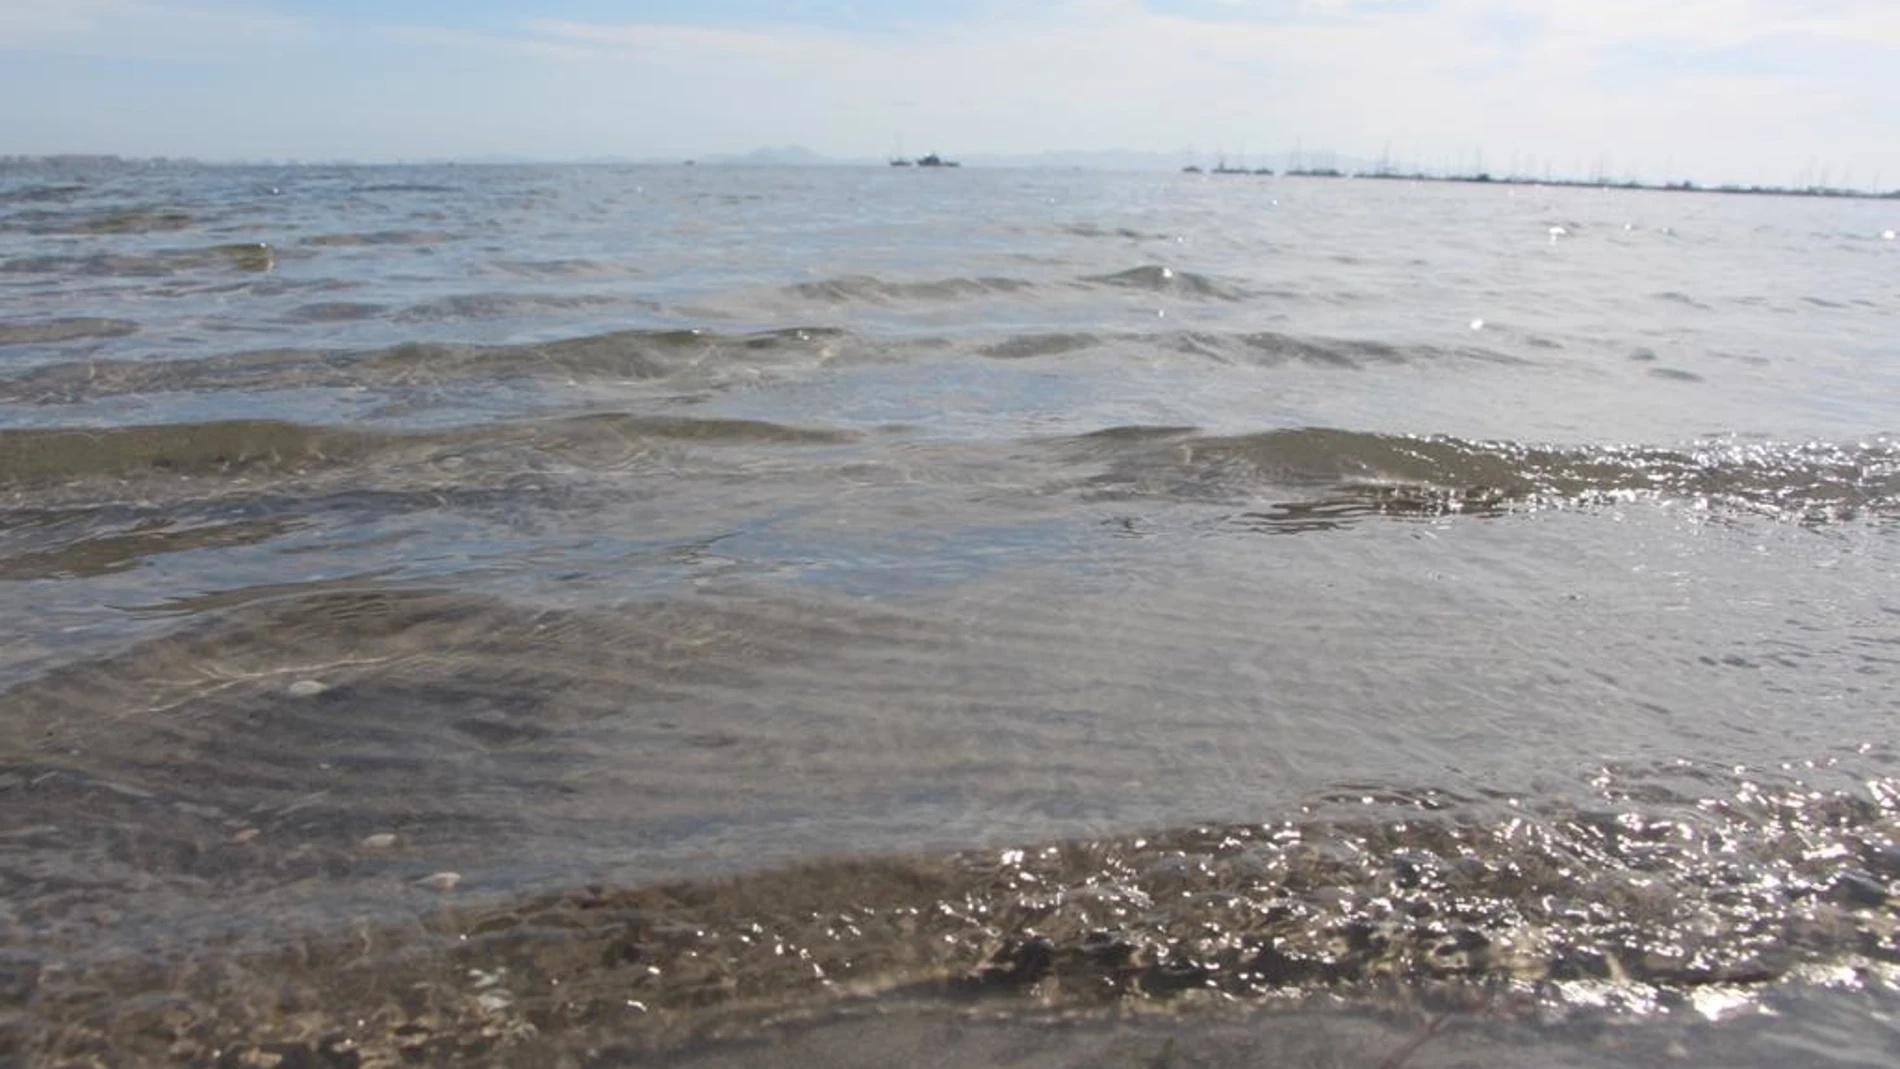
(596, 616)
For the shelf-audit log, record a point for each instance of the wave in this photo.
(334, 312)
(1265, 349)
(35, 194)
(244, 256)
(145, 220)
(1272, 349)
(1610, 912)
(55, 331)
(406, 187)
(1340, 476)
(630, 354)
(1155, 278)
(504, 305)
(620, 355)
(378, 237)
(1090, 230)
(864, 288)
(565, 268)
(1030, 346)
(41, 457)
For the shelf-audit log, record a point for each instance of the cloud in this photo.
(1710, 84)
(127, 28)
(1711, 88)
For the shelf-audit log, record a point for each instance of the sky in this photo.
(1709, 90)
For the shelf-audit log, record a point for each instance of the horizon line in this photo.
(1297, 163)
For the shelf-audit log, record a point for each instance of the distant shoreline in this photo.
(82, 161)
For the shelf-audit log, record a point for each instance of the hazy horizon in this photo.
(1714, 91)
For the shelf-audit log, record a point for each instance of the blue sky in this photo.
(1707, 89)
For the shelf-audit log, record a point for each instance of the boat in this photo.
(934, 160)
(900, 161)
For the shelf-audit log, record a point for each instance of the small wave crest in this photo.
(853, 289)
(1154, 278)
(1360, 474)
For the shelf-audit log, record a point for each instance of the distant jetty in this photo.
(1391, 174)
(1485, 178)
